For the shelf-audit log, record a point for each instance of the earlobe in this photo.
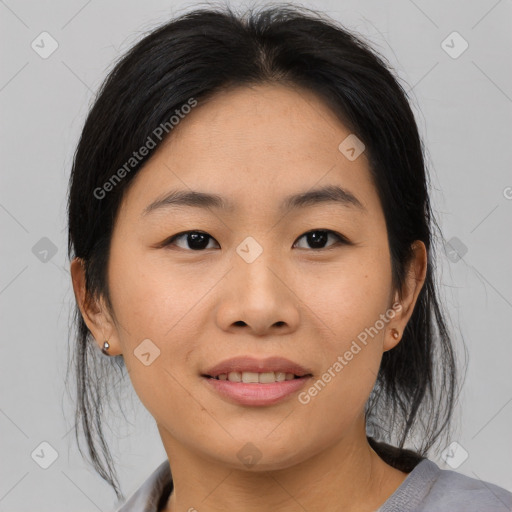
(105, 347)
(392, 339)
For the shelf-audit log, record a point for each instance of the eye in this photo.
(318, 237)
(196, 240)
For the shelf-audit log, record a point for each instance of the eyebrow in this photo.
(191, 198)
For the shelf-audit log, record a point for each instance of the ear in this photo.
(94, 311)
(414, 280)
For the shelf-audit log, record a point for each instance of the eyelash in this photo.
(340, 237)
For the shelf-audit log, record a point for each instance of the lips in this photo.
(250, 364)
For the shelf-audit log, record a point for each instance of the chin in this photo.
(259, 454)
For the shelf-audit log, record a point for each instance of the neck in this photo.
(346, 477)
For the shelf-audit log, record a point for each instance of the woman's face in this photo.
(255, 284)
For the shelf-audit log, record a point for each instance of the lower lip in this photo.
(256, 394)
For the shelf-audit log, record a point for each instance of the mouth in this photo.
(248, 369)
(247, 377)
(255, 388)
(250, 381)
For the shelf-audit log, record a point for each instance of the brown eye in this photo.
(317, 238)
(195, 240)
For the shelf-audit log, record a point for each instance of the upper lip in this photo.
(252, 364)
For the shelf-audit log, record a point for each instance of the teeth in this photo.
(253, 377)
(272, 377)
(234, 376)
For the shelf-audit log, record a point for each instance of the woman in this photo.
(252, 240)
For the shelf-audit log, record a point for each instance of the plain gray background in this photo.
(463, 105)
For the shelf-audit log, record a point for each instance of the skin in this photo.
(256, 145)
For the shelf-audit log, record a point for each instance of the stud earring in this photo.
(395, 334)
(105, 348)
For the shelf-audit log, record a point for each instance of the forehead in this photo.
(254, 145)
(263, 116)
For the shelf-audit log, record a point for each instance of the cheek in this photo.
(160, 337)
(349, 295)
(151, 299)
(160, 319)
(350, 306)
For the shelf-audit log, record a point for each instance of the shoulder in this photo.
(431, 489)
(150, 495)
(460, 492)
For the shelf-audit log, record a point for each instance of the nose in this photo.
(259, 298)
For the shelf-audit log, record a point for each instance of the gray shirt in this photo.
(427, 488)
